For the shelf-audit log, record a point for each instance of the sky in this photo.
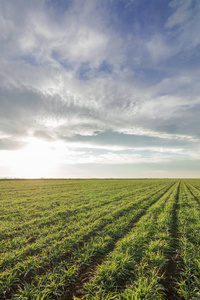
(105, 88)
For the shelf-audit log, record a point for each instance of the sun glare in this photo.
(34, 161)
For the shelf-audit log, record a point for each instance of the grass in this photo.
(99, 239)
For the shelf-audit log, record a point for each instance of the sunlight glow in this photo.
(34, 161)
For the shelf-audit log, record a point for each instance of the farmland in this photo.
(100, 239)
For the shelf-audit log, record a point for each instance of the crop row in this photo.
(139, 257)
(23, 210)
(32, 263)
(189, 242)
(109, 239)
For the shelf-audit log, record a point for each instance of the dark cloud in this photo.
(19, 108)
(9, 144)
(42, 135)
(110, 138)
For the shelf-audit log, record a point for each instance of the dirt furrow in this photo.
(171, 270)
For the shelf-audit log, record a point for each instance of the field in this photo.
(100, 239)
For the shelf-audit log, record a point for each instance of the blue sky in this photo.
(99, 88)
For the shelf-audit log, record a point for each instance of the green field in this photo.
(100, 239)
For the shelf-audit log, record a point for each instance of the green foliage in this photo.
(123, 234)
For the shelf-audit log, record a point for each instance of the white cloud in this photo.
(132, 83)
(146, 132)
(85, 44)
(158, 49)
(185, 23)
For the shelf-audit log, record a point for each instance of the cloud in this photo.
(7, 144)
(184, 25)
(158, 48)
(145, 132)
(108, 75)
